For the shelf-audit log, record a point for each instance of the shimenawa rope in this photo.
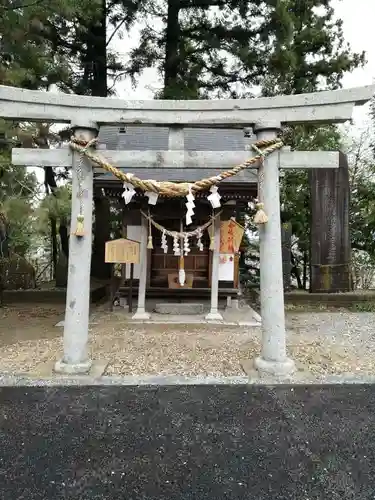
(175, 189)
(181, 234)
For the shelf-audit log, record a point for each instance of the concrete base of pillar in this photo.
(233, 304)
(275, 368)
(214, 316)
(73, 369)
(141, 315)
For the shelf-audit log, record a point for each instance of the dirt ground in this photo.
(320, 343)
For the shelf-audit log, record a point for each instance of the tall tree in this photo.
(309, 51)
(212, 48)
(205, 48)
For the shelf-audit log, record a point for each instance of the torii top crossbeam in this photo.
(319, 107)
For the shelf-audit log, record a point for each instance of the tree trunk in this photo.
(54, 245)
(305, 263)
(172, 39)
(97, 53)
(295, 271)
(64, 238)
(50, 183)
(94, 60)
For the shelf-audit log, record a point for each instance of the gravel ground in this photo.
(321, 343)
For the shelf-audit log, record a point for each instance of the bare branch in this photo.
(115, 31)
(204, 4)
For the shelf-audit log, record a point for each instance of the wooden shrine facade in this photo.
(170, 213)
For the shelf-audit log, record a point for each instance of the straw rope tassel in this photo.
(80, 228)
(260, 217)
(150, 246)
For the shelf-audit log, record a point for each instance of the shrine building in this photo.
(204, 265)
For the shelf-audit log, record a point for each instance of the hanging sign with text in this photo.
(122, 251)
(231, 234)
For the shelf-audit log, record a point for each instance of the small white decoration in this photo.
(164, 242)
(176, 246)
(152, 197)
(190, 205)
(181, 277)
(186, 245)
(214, 197)
(199, 240)
(128, 192)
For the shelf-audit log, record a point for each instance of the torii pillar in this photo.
(76, 359)
(273, 357)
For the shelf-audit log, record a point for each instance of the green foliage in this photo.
(17, 196)
(56, 206)
(365, 306)
(62, 43)
(363, 269)
(28, 58)
(212, 48)
(309, 51)
(250, 264)
(362, 189)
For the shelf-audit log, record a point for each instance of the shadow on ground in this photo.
(197, 442)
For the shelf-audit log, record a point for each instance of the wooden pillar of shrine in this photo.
(214, 313)
(102, 233)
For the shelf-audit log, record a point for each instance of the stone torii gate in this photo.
(266, 116)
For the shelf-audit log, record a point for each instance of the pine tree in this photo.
(206, 48)
(211, 48)
(309, 51)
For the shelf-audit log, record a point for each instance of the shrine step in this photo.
(181, 308)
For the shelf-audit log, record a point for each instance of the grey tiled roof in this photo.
(142, 138)
(156, 138)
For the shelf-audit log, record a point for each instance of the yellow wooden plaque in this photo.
(237, 237)
(122, 251)
(231, 234)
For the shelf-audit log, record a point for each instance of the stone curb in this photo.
(171, 380)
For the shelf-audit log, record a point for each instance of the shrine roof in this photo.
(143, 138)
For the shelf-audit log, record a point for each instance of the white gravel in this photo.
(342, 327)
(323, 344)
